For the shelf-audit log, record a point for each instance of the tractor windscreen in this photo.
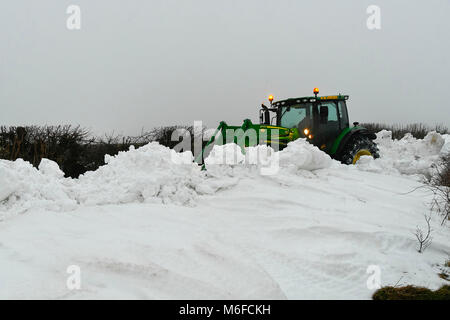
(296, 116)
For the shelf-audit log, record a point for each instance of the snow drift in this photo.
(156, 174)
(310, 231)
(152, 173)
(23, 187)
(409, 155)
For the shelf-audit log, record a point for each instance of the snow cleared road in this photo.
(150, 225)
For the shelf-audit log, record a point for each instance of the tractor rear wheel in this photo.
(357, 147)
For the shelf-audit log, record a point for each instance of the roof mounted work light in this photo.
(316, 91)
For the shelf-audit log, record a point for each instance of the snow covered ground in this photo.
(152, 225)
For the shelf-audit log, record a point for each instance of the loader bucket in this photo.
(248, 135)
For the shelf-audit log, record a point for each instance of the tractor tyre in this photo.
(357, 147)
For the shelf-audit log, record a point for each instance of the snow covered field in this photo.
(151, 225)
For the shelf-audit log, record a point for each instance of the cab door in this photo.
(328, 125)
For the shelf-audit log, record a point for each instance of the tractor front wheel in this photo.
(358, 147)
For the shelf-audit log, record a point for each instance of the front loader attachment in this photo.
(249, 135)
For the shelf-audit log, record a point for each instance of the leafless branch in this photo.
(424, 240)
(439, 184)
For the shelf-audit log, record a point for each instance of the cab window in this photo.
(296, 115)
(332, 111)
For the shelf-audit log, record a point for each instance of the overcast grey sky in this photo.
(138, 64)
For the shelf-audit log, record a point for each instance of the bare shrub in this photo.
(424, 239)
(439, 184)
(61, 144)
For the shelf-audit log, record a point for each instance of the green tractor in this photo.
(323, 121)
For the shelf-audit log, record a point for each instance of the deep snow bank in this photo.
(301, 155)
(446, 148)
(23, 187)
(152, 173)
(409, 155)
(156, 174)
(227, 164)
(298, 155)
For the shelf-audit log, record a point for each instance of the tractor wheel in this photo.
(357, 147)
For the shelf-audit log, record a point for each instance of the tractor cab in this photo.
(318, 119)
